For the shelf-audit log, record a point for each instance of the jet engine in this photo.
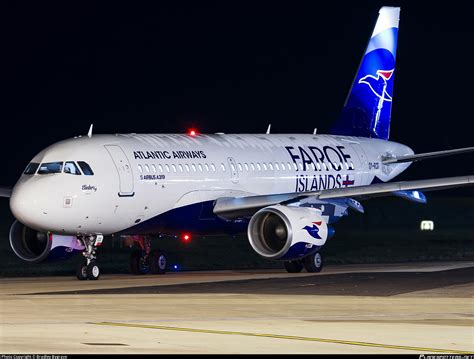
(287, 233)
(34, 247)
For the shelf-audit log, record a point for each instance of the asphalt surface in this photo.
(396, 308)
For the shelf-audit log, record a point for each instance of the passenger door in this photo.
(124, 170)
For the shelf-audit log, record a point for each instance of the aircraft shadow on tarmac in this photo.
(351, 284)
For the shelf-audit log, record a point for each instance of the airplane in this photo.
(286, 191)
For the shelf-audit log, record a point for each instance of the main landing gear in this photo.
(312, 263)
(87, 267)
(144, 260)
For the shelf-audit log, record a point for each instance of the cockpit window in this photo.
(86, 169)
(31, 168)
(50, 167)
(71, 168)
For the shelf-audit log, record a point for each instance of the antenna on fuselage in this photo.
(315, 130)
(89, 134)
(268, 129)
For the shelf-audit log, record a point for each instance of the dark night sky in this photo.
(229, 66)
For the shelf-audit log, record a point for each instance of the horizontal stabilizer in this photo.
(426, 156)
(412, 196)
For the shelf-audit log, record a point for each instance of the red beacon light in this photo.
(192, 132)
(186, 237)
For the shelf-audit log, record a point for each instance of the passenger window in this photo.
(240, 167)
(252, 166)
(271, 166)
(223, 167)
(246, 166)
(289, 166)
(51, 167)
(264, 166)
(71, 168)
(187, 167)
(153, 167)
(193, 166)
(140, 168)
(173, 167)
(200, 167)
(167, 168)
(180, 167)
(206, 166)
(86, 169)
(213, 167)
(160, 168)
(31, 168)
(147, 168)
(258, 166)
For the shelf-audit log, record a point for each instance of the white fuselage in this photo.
(139, 178)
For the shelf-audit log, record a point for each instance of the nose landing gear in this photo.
(87, 267)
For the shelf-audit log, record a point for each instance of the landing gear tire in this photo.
(139, 263)
(81, 270)
(158, 262)
(313, 263)
(93, 271)
(87, 267)
(293, 266)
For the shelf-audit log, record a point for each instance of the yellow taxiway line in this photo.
(287, 337)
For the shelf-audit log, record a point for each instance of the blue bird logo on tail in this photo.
(378, 84)
(314, 230)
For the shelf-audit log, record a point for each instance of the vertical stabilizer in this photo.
(368, 106)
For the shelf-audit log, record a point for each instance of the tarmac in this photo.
(417, 308)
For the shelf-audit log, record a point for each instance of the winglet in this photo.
(89, 134)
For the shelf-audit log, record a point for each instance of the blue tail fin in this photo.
(366, 112)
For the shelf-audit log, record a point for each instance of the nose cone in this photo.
(27, 204)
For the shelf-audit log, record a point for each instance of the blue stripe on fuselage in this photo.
(197, 218)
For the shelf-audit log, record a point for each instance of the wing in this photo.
(236, 207)
(5, 192)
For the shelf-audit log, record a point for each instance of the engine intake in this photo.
(34, 247)
(286, 233)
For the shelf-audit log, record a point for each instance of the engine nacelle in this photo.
(34, 247)
(287, 233)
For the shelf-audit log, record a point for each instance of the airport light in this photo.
(186, 237)
(426, 225)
